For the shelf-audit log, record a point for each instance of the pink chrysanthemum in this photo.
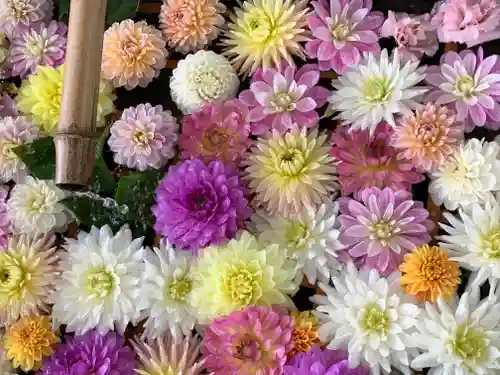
(280, 100)
(427, 137)
(252, 341)
(189, 25)
(143, 137)
(342, 30)
(37, 44)
(133, 54)
(219, 131)
(369, 161)
(382, 226)
(5, 227)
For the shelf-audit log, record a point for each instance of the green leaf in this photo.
(63, 10)
(119, 10)
(40, 157)
(103, 181)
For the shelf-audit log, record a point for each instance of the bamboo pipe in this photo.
(74, 142)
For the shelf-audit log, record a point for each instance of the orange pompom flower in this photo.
(305, 332)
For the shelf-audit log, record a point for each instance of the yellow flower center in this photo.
(208, 83)
(432, 269)
(469, 342)
(216, 140)
(383, 231)
(179, 288)
(100, 282)
(291, 162)
(296, 234)
(142, 138)
(491, 244)
(376, 89)
(465, 85)
(375, 320)
(283, 102)
(242, 286)
(13, 276)
(36, 46)
(259, 27)
(341, 31)
(428, 133)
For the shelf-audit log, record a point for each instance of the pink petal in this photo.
(367, 36)
(323, 34)
(309, 79)
(319, 94)
(477, 115)
(350, 55)
(312, 48)
(247, 97)
(470, 63)
(306, 105)
(256, 114)
(486, 101)
(326, 51)
(306, 119)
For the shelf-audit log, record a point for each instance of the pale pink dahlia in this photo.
(219, 131)
(342, 30)
(369, 161)
(382, 226)
(469, 84)
(5, 227)
(280, 100)
(252, 341)
(143, 137)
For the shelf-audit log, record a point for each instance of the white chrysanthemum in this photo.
(33, 207)
(310, 239)
(203, 77)
(14, 12)
(369, 316)
(469, 175)
(376, 90)
(461, 340)
(100, 284)
(166, 284)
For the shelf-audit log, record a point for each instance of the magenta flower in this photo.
(382, 226)
(280, 100)
(470, 85)
(342, 30)
(5, 227)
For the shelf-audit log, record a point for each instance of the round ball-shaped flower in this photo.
(262, 33)
(254, 340)
(14, 13)
(199, 205)
(91, 353)
(218, 131)
(34, 207)
(305, 332)
(29, 340)
(40, 98)
(202, 78)
(290, 172)
(5, 226)
(133, 54)
(143, 137)
(189, 25)
(37, 44)
(14, 132)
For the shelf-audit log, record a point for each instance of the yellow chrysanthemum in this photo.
(264, 32)
(28, 341)
(429, 274)
(238, 274)
(291, 172)
(40, 98)
(305, 332)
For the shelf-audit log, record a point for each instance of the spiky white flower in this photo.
(469, 175)
(165, 286)
(100, 283)
(371, 317)
(377, 89)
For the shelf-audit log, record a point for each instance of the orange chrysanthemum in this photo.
(304, 334)
(429, 274)
(189, 25)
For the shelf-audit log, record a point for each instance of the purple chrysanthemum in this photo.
(318, 361)
(200, 205)
(383, 225)
(5, 227)
(91, 353)
(23, 12)
(37, 44)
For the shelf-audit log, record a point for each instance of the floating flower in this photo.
(318, 361)
(40, 98)
(467, 21)
(281, 100)
(15, 13)
(199, 205)
(237, 274)
(143, 137)
(309, 239)
(219, 131)
(189, 25)
(5, 227)
(262, 33)
(252, 341)
(169, 355)
(428, 137)
(14, 132)
(370, 316)
(382, 88)
(415, 35)
(165, 287)
(468, 175)
(202, 78)
(367, 160)
(381, 226)
(92, 353)
(100, 283)
(468, 83)
(291, 172)
(29, 269)
(342, 30)
(28, 341)
(133, 54)
(429, 274)
(37, 44)
(305, 332)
